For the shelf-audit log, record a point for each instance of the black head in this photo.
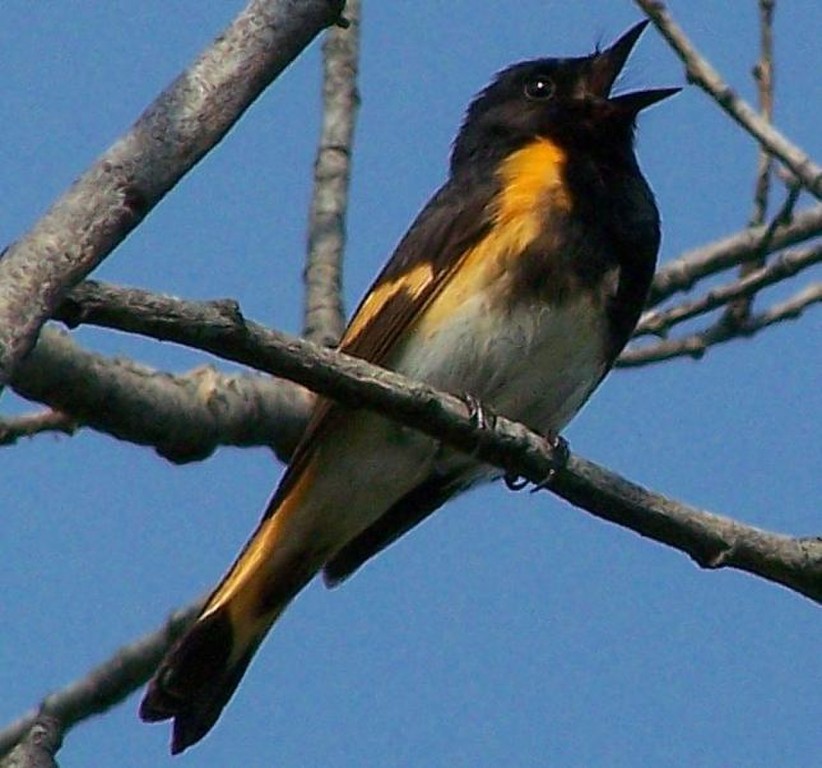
(566, 100)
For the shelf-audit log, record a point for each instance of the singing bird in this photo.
(518, 284)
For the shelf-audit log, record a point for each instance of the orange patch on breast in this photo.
(532, 183)
(532, 178)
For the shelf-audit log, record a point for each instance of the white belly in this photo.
(537, 365)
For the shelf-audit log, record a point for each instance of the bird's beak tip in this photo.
(609, 63)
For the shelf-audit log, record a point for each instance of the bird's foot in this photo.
(561, 453)
(478, 414)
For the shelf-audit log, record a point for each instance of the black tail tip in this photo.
(195, 681)
(192, 720)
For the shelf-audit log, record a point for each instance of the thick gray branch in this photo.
(713, 541)
(131, 177)
(39, 740)
(185, 418)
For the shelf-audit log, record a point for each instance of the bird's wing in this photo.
(453, 221)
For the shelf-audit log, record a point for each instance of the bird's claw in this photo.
(513, 481)
(479, 416)
(561, 453)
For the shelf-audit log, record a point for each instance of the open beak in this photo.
(607, 65)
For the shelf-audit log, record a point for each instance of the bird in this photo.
(517, 286)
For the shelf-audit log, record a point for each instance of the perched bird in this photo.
(518, 284)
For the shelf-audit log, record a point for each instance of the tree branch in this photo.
(132, 176)
(697, 344)
(659, 321)
(700, 72)
(324, 316)
(38, 743)
(751, 243)
(107, 684)
(740, 308)
(190, 416)
(711, 540)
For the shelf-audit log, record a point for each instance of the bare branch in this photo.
(324, 316)
(131, 177)
(697, 344)
(699, 71)
(30, 424)
(190, 415)
(711, 540)
(38, 744)
(659, 321)
(740, 308)
(681, 273)
(790, 309)
(505, 444)
(763, 73)
(107, 684)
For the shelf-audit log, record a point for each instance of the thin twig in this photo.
(739, 309)
(105, 685)
(658, 322)
(114, 195)
(324, 315)
(763, 73)
(697, 344)
(683, 272)
(699, 71)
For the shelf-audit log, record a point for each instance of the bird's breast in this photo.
(533, 362)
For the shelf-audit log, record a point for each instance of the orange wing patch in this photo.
(413, 283)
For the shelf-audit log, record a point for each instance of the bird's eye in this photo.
(539, 87)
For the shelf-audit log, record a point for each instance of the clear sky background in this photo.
(510, 630)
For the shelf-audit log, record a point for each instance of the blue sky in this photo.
(510, 629)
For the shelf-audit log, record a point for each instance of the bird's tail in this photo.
(199, 674)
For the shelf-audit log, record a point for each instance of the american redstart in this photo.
(518, 284)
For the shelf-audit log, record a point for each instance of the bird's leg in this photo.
(478, 414)
(484, 418)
